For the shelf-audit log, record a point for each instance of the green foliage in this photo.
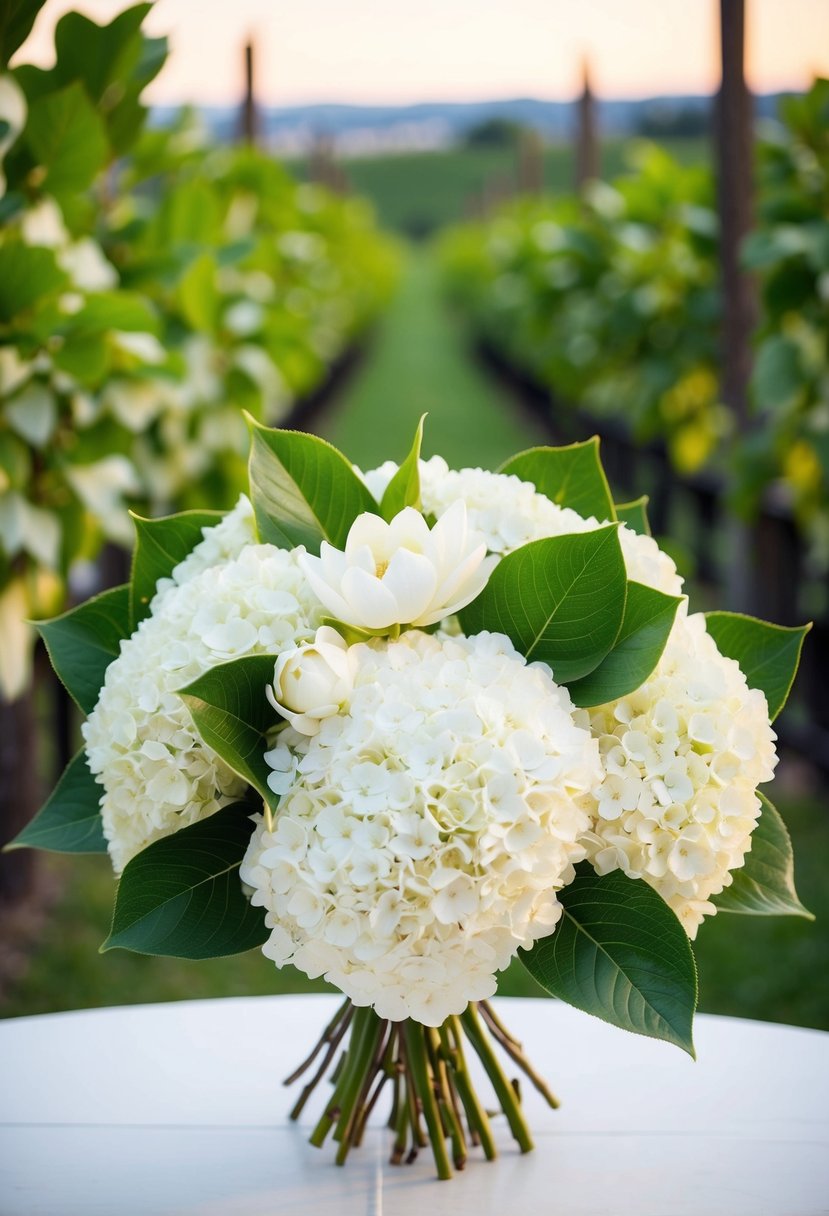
(160, 544)
(151, 289)
(570, 476)
(647, 622)
(635, 515)
(233, 716)
(70, 820)
(404, 488)
(16, 20)
(66, 139)
(181, 896)
(303, 490)
(614, 304)
(764, 885)
(768, 655)
(560, 600)
(83, 642)
(620, 954)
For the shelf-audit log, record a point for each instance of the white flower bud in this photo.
(311, 682)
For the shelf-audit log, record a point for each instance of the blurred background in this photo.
(536, 222)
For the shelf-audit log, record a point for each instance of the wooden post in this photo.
(249, 118)
(587, 145)
(735, 172)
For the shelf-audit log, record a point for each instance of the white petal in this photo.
(369, 603)
(411, 579)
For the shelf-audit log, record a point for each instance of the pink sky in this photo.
(420, 50)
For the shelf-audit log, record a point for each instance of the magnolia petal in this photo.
(368, 603)
(411, 578)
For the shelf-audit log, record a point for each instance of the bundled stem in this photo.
(431, 1084)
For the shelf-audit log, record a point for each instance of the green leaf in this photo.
(635, 515)
(570, 476)
(16, 20)
(28, 273)
(303, 490)
(404, 488)
(768, 654)
(181, 896)
(620, 953)
(100, 55)
(764, 885)
(70, 820)
(122, 310)
(646, 625)
(83, 642)
(198, 294)
(160, 544)
(66, 136)
(232, 714)
(560, 600)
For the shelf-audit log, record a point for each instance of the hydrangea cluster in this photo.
(140, 740)
(220, 544)
(682, 757)
(424, 831)
(510, 513)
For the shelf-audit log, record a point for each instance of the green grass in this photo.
(774, 969)
(419, 192)
(419, 364)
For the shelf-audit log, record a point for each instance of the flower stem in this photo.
(431, 1082)
(504, 1091)
(418, 1063)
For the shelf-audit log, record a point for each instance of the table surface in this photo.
(179, 1110)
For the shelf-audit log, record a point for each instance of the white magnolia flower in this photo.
(313, 681)
(424, 831)
(400, 573)
(228, 597)
(682, 758)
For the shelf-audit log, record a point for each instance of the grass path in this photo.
(418, 364)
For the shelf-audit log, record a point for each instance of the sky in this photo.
(401, 51)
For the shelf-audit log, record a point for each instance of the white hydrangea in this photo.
(682, 758)
(221, 543)
(140, 740)
(510, 513)
(423, 833)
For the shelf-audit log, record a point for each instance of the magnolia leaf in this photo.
(83, 642)
(303, 490)
(768, 654)
(635, 515)
(404, 488)
(647, 622)
(764, 884)
(70, 820)
(620, 953)
(232, 714)
(560, 600)
(570, 476)
(160, 544)
(181, 895)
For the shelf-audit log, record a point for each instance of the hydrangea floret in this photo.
(402, 747)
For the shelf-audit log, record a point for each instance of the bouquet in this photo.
(399, 727)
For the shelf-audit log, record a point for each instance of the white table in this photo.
(157, 1110)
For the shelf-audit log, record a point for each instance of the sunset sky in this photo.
(418, 50)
